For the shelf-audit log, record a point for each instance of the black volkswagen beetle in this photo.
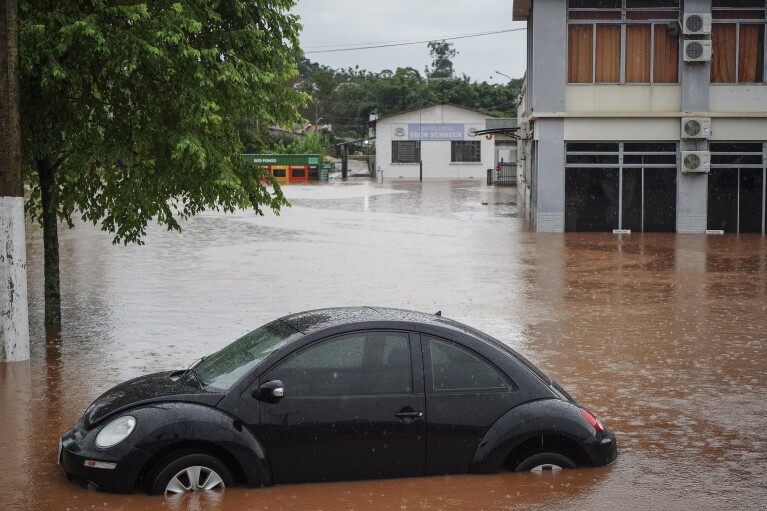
(334, 394)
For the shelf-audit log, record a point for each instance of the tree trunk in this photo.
(46, 172)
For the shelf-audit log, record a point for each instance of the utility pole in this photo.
(14, 315)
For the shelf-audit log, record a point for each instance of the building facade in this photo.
(438, 141)
(644, 115)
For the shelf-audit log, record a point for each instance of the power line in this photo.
(389, 45)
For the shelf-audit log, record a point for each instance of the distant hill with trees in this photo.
(344, 98)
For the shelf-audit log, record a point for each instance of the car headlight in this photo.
(115, 432)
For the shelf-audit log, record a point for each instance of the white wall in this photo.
(623, 129)
(750, 98)
(434, 154)
(623, 98)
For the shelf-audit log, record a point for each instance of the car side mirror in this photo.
(270, 392)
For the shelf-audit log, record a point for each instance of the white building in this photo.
(437, 141)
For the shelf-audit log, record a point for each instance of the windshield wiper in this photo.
(190, 369)
(197, 377)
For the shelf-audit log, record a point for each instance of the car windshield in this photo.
(222, 369)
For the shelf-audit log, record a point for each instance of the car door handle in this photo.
(408, 415)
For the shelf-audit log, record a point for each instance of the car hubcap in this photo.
(546, 466)
(194, 478)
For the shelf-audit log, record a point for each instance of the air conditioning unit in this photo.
(696, 161)
(697, 51)
(696, 24)
(696, 127)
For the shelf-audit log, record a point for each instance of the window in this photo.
(736, 187)
(356, 364)
(738, 41)
(466, 152)
(611, 185)
(222, 369)
(405, 152)
(454, 368)
(622, 41)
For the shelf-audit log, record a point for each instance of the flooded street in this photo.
(663, 336)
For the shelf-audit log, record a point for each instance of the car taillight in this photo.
(592, 419)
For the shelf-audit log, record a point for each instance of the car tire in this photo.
(544, 461)
(189, 472)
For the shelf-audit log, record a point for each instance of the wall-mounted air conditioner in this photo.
(697, 51)
(696, 161)
(696, 127)
(696, 24)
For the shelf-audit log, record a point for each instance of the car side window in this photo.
(354, 364)
(455, 368)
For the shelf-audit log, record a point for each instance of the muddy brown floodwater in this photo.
(663, 336)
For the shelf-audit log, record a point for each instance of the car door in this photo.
(350, 410)
(465, 395)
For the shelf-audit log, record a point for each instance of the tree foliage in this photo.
(442, 54)
(345, 98)
(312, 143)
(130, 110)
(132, 106)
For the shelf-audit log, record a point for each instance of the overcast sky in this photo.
(329, 23)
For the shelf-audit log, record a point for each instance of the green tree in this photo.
(129, 111)
(442, 54)
(312, 143)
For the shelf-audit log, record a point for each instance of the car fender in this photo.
(534, 418)
(162, 426)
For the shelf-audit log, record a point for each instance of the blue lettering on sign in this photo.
(435, 131)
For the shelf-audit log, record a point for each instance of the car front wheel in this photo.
(545, 461)
(189, 472)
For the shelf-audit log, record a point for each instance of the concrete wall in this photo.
(546, 79)
(622, 129)
(623, 98)
(692, 189)
(548, 65)
(738, 98)
(550, 201)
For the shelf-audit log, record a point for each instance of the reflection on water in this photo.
(662, 335)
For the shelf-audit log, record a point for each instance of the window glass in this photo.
(637, 53)
(579, 54)
(405, 152)
(465, 151)
(666, 56)
(591, 199)
(652, 4)
(751, 53)
(595, 4)
(608, 59)
(741, 45)
(454, 368)
(222, 369)
(355, 364)
(734, 4)
(637, 47)
(736, 187)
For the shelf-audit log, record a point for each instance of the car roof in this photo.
(312, 321)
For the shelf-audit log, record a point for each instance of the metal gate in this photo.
(505, 174)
